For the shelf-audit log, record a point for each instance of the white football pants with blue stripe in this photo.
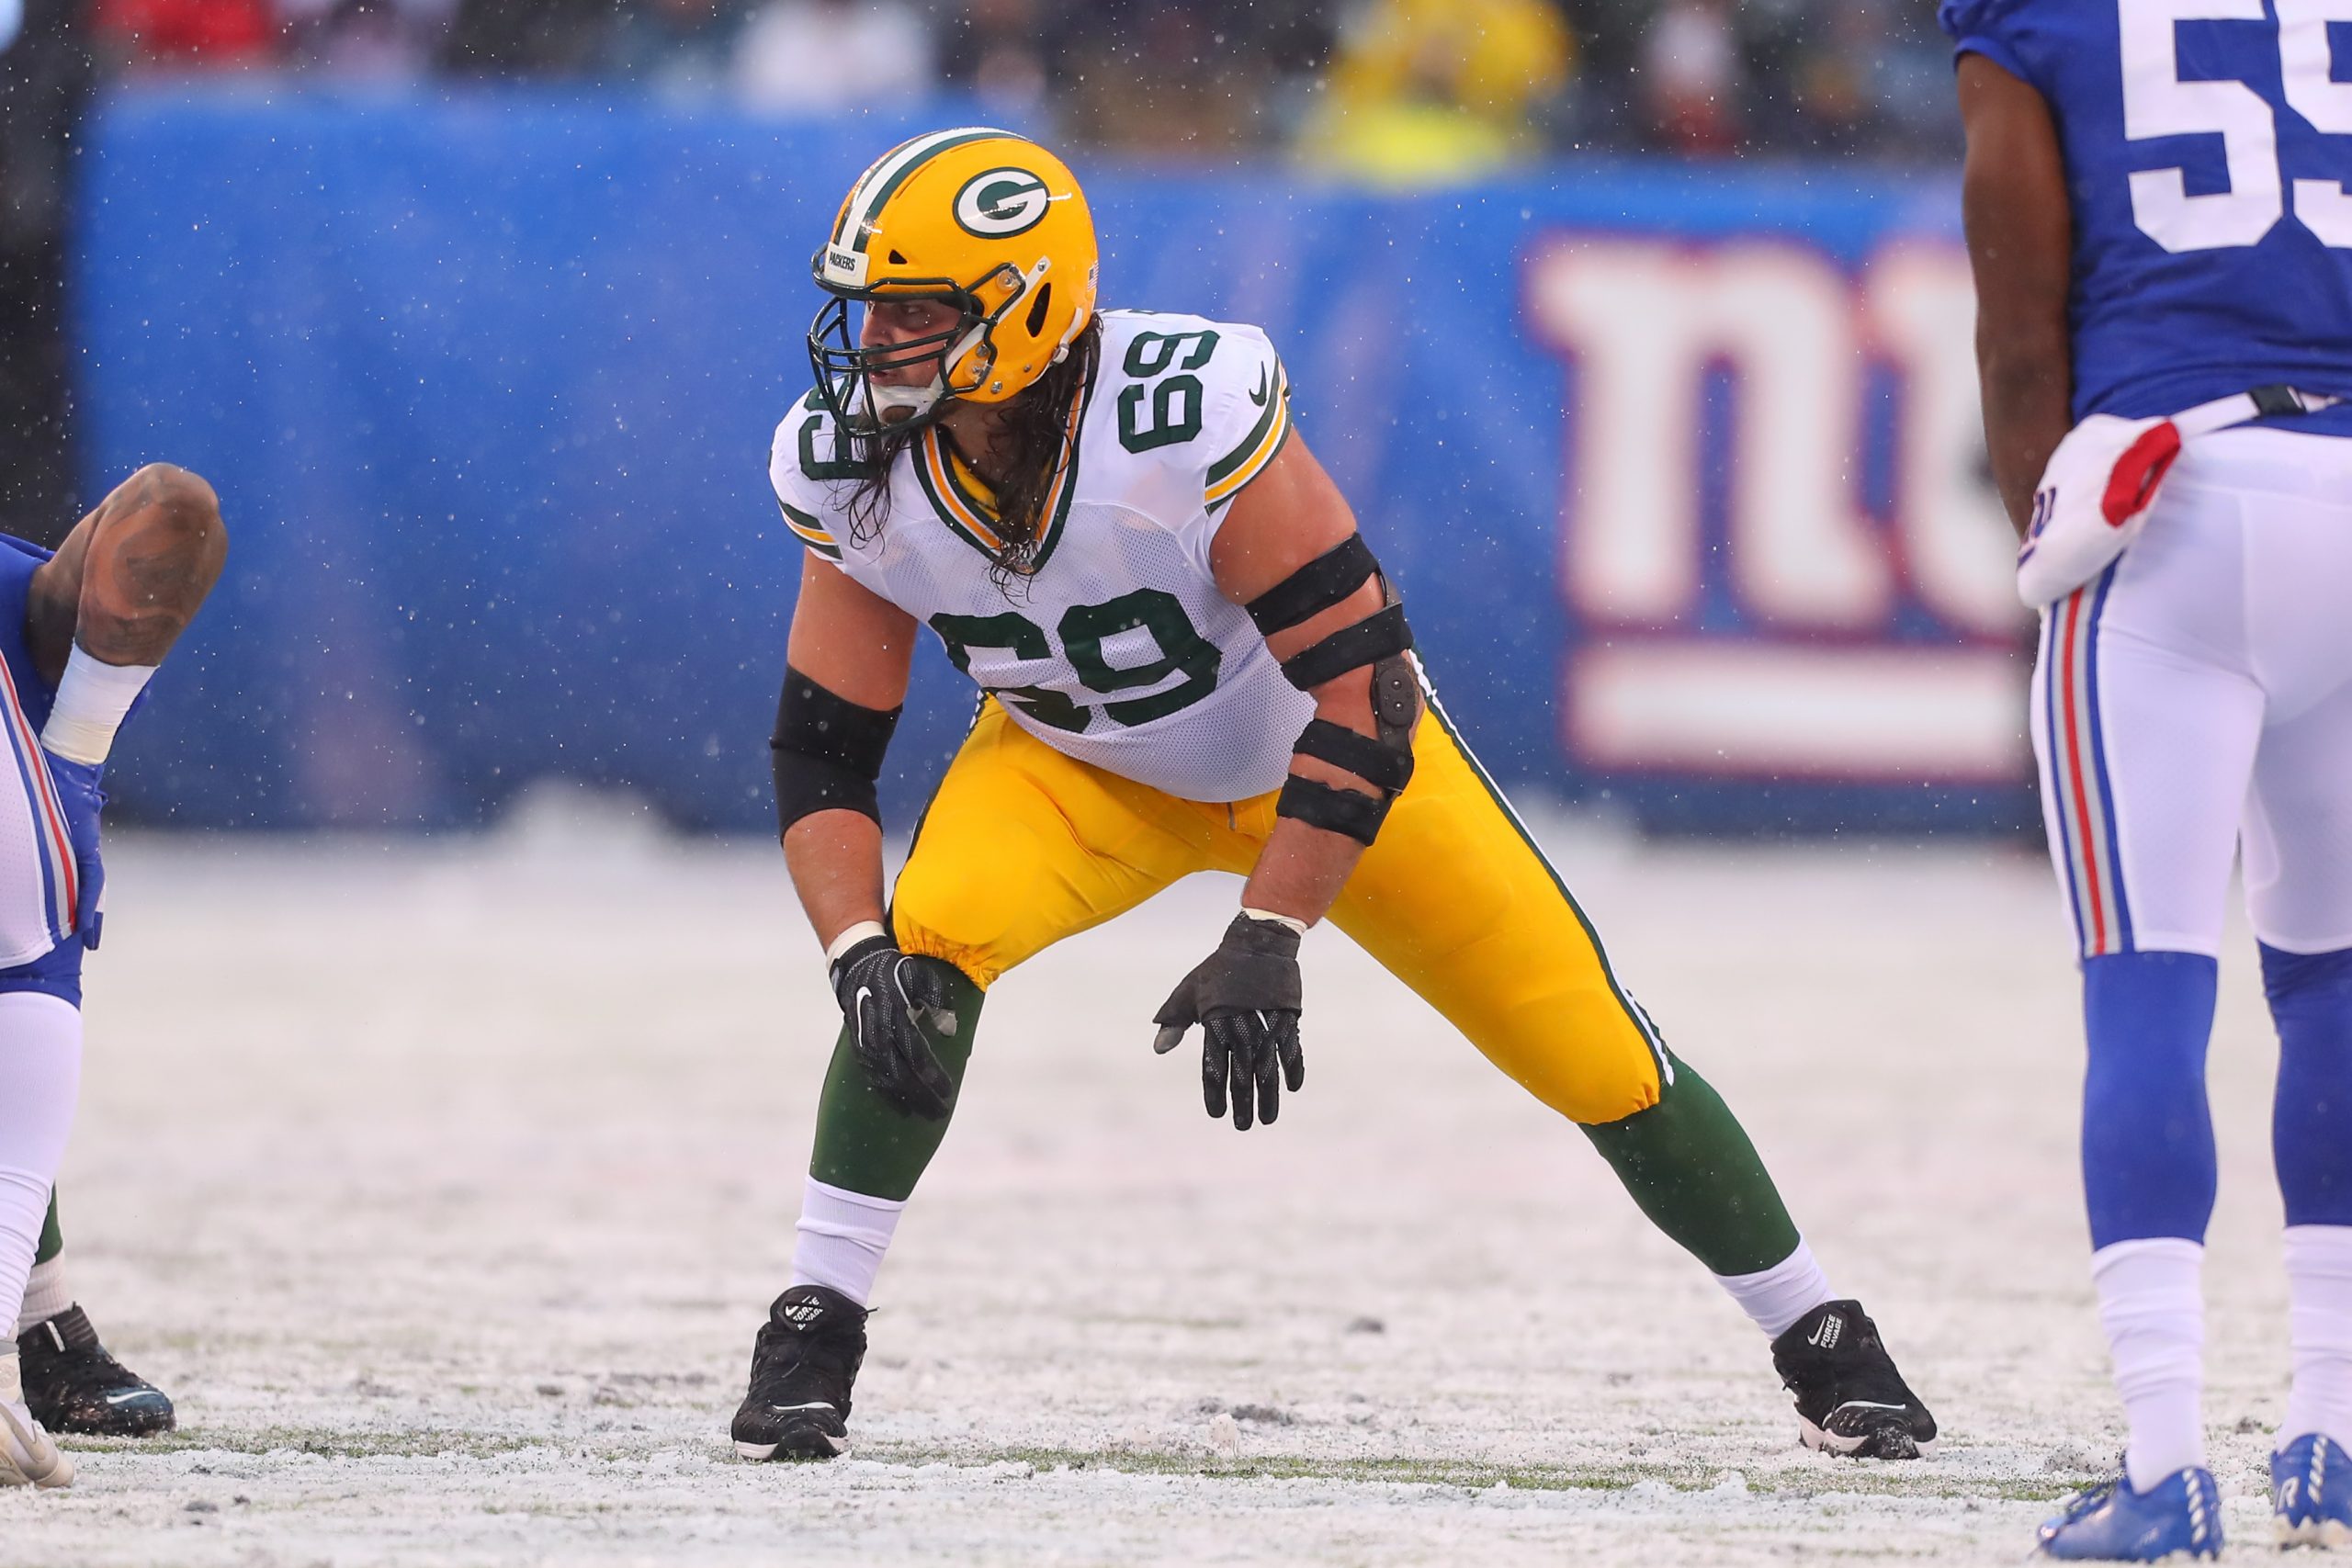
(2202, 687)
(2196, 695)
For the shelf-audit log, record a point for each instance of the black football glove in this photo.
(886, 998)
(1245, 997)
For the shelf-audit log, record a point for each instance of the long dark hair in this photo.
(1044, 443)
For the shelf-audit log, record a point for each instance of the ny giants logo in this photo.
(1780, 551)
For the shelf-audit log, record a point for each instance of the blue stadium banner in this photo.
(1679, 468)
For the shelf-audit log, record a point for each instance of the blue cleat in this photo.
(2178, 1516)
(2311, 1492)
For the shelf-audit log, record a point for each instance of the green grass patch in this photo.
(1922, 1482)
(327, 1443)
(1856, 1479)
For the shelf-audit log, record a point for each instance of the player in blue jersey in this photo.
(80, 634)
(2162, 237)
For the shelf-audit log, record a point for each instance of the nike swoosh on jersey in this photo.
(1265, 384)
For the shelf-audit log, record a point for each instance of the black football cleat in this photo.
(802, 1366)
(1851, 1400)
(73, 1385)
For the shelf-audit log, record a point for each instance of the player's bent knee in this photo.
(1579, 1050)
(976, 960)
(955, 904)
(939, 912)
(1594, 1087)
(1599, 1102)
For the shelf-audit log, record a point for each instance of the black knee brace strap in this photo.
(826, 751)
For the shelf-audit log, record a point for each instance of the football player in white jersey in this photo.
(1190, 660)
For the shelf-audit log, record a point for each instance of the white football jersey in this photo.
(1119, 650)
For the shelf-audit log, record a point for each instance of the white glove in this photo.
(2094, 500)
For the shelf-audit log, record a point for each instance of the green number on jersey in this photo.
(1182, 647)
(1026, 639)
(1153, 351)
(842, 465)
(1175, 414)
(1083, 631)
(1175, 402)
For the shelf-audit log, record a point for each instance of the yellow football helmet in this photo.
(985, 220)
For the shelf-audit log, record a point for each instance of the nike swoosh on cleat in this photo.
(134, 1394)
(789, 1409)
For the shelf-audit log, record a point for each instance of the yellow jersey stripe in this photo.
(1270, 441)
(960, 512)
(809, 530)
(965, 500)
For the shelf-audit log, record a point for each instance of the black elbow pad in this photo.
(826, 751)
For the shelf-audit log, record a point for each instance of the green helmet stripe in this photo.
(883, 180)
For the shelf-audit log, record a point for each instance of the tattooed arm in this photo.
(130, 578)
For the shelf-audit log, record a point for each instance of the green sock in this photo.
(53, 1240)
(1689, 1166)
(864, 1144)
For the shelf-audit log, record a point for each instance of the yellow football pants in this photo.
(1022, 846)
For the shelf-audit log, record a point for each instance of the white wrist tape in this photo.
(91, 701)
(1268, 915)
(851, 938)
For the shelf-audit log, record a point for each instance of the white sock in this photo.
(40, 1072)
(46, 1295)
(2319, 1297)
(2151, 1303)
(1778, 1296)
(92, 698)
(843, 1237)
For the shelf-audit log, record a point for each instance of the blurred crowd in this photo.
(1406, 91)
(1400, 92)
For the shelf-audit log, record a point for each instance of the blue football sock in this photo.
(2311, 1123)
(2148, 1167)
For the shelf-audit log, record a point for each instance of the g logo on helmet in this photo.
(1001, 203)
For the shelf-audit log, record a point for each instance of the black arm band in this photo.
(1341, 811)
(1377, 763)
(826, 751)
(1326, 580)
(1381, 635)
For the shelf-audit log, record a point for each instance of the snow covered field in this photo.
(444, 1186)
